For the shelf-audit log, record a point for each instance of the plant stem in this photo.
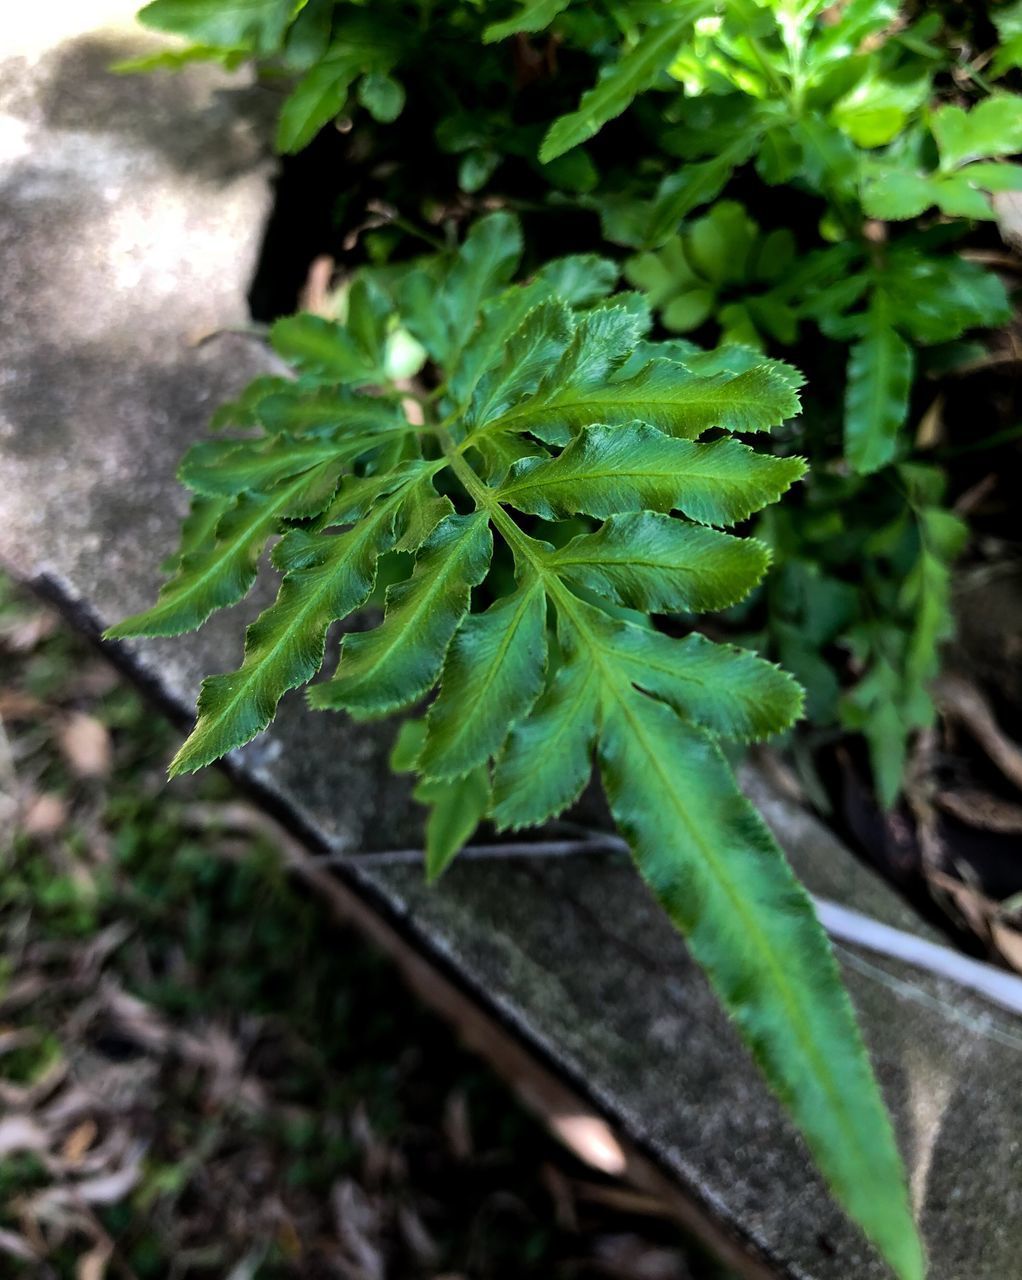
(524, 548)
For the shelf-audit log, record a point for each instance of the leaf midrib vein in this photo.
(564, 599)
(437, 584)
(491, 673)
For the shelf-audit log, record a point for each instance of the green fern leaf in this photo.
(218, 563)
(457, 806)
(711, 862)
(526, 356)
(241, 412)
(579, 279)
(492, 676)
(588, 361)
(550, 402)
(657, 564)
(499, 319)
(224, 469)
(663, 394)
(422, 512)
(487, 261)
(576, 281)
(729, 692)
(398, 662)
(302, 408)
(562, 728)
(692, 186)
(324, 350)
(607, 470)
(635, 72)
(326, 578)
(876, 401)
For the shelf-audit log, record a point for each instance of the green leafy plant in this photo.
(883, 586)
(563, 483)
(541, 510)
(721, 266)
(648, 111)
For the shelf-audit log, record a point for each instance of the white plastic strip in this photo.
(843, 924)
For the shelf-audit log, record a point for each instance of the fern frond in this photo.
(561, 435)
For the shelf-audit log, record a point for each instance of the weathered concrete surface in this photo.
(132, 210)
(130, 219)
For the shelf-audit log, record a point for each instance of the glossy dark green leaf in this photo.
(607, 470)
(395, 664)
(659, 564)
(636, 71)
(492, 676)
(317, 99)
